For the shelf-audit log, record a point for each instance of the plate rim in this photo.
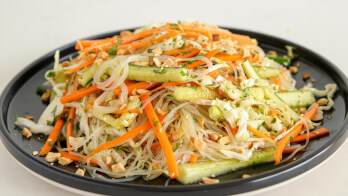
(281, 173)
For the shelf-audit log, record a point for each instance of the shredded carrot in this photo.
(273, 113)
(199, 63)
(229, 57)
(233, 130)
(78, 158)
(130, 134)
(140, 111)
(190, 53)
(312, 134)
(79, 94)
(71, 118)
(198, 30)
(193, 159)
(177, 51)
(162, 137)
(258, 133)
(144, 42)
(86, 64)
(296, 130)
(139, 85)
(218, 72)
(52, 138)
(241, 39)
(220, 92)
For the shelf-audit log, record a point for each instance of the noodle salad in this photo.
(186, 100)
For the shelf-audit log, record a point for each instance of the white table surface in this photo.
(29, 29)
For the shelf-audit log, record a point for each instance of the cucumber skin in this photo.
(189, 93)
(88, 75)
(268, 72)
(250, 71)
(157, 74)
(300, 98)
(193, 172)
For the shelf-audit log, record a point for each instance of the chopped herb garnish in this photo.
(183, 73)
(155, 123)
(169, 98)
(149, 50)
(16, 117)
(329, 117)
(69, 120)
(183, 45)
(40, 90)
(48, 122)
(113, 50)
(194, 87)
(138, 148)
(51, 74)
(187, 63)
(273, 120)
(291, 139)
(51, 143)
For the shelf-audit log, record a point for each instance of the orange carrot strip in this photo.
(193, 159)
(140, 111)
(229, 57)
(77, 158)
(296, 130)
(79, 94)
(233, 130)
(198, 30)
(71, 117)
(241, 39)
(52, 138)
(177, 51)
(189, 54)
(218, 72)
(86, 64)
(199, 63)
(258, 133)
(121, 40)
(162, 137)
(130, 134)
(144, 42)
(312, 134)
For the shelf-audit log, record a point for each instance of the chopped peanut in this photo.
(103, 55)
(224, 140)
(201, 122)
(293, 69)
(216, 37)
(80, 172)
(134, 98)
(302, 110)
(52, 157)
(64, 161)
(213, 137)
(155, 165)
(162, 112)
(210, 180)
(168, 63)
(199, 144)
(35, 153)
(46, 95)
(26, 132)
(76, 141)
(156, 61)
(246, 52)
(157, 51)
(112, 102)
(108, 160)
(124, 33)
(29, 117)
(305, 76)
(142, 91)
(177, 135)
(246, 176)
(118, 168)
(322, 101)
(121, 52)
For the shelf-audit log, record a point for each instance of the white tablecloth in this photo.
(29, 29)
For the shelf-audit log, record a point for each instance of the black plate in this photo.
(20, 98)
